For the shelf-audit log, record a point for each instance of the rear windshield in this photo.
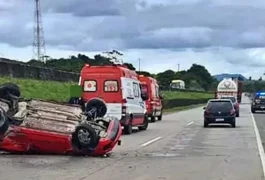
(111, 86)
(144, 88)
(219, 106)
(90, 85)
(233, 99)
(260, 97)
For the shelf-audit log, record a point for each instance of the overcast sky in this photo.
(226, 36)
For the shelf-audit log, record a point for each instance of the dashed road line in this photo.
(151, 141)
(190, 123)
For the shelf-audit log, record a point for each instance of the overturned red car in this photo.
(35, 126)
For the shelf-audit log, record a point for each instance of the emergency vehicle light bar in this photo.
(260, 93)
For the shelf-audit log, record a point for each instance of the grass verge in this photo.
(186, 95)
(59, 91)
(183, 108)
(46, 90)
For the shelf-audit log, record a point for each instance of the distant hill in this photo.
(220, 77)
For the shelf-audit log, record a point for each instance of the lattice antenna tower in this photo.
(39, 49)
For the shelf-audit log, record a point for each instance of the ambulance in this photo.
(153, 103)
(120, 88)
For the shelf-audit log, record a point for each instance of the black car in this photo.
(258, 102)
(219, 111)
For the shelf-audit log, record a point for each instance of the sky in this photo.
(223, 35)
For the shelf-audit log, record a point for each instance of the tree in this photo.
(130, 66)
(260, 79)
(144, 73)
(165, 78)
(250, 78)
(202, 74)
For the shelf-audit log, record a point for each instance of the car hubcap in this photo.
(84, 136)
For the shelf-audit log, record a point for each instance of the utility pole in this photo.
(178, 67)
(39, 50)
(139, 64)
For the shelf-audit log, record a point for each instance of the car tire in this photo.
(205, 124)
(128, 128)
(4, 122)
(253, 111)
(233, 123)
(153, 119)
(145, 125)
(9, 88)
(237, 114)
(81, 132)
(159, 118)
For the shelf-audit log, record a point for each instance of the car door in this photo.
(139, 104)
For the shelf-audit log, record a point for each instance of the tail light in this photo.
(232, 112)
(206, 113)
(124, 107)
(124, 101)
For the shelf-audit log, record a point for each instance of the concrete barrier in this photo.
(20, 70)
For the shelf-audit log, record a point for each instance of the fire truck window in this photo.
(90, 86)
(144, 88)
(111, 86)
(136, 90)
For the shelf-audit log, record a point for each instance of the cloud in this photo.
(201, 31)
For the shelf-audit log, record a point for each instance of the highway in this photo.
(177, 148)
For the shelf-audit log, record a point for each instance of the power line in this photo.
(39, 49)
(139, 64)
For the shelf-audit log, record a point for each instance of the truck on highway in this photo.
(177, 84)
(230, 87)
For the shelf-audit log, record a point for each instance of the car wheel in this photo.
(11, 88)
(253, 110)
(4, 122)
(145, 125)
(237, 114)
(128, 128)
(85, 137)
(205, 124)
(159, 118)
(153, 119)
(233, 124)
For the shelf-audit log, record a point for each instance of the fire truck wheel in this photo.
(153, 119)
(128, 128)
(145, 125)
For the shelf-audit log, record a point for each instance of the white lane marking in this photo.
(260, 147)
(151, 141)
(190, 123)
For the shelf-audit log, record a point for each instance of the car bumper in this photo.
(107, 144)
(219, 119)
(258, 107)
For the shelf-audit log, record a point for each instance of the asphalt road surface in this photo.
(177, 148)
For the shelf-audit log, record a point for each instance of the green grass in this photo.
(46, 90)
(186, 95)
(176, 109)
(59, 91)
